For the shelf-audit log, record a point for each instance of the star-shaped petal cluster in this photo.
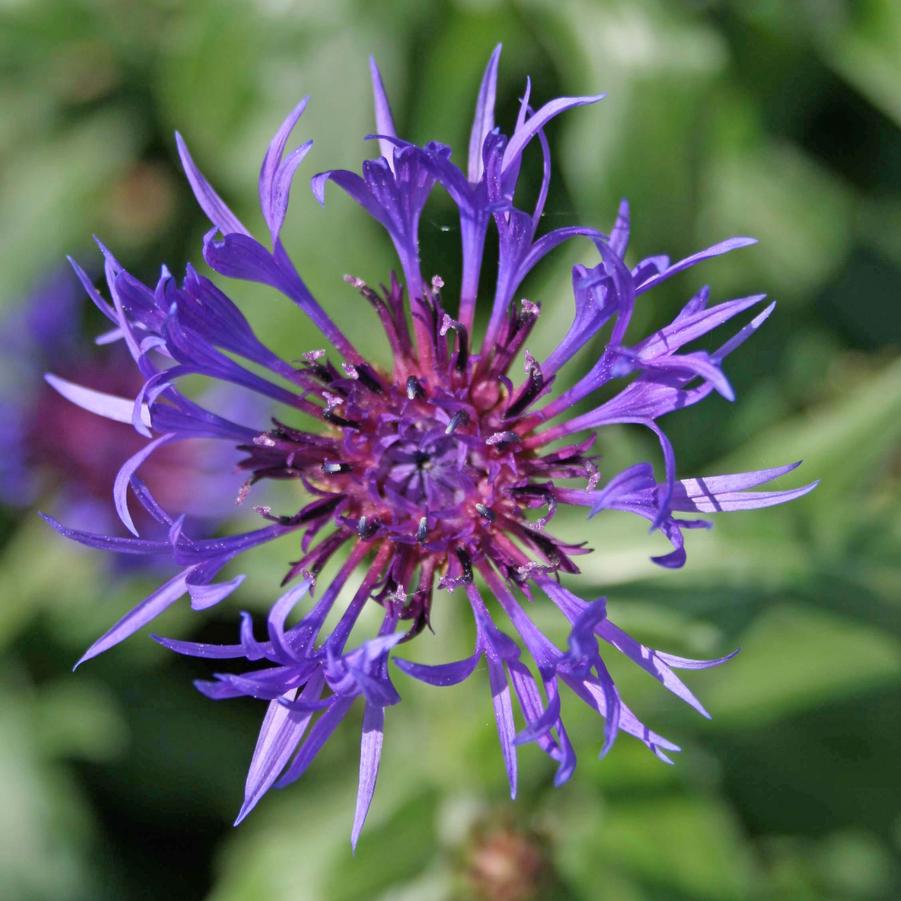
(444, 472)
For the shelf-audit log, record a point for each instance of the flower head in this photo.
(443, 472)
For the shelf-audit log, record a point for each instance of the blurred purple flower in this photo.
(49, 446)
(429, 475)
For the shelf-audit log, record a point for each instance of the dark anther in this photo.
(414, 388)
(466, 563)
(531, 390)
(423, 530)
(485, 512)
(318, 508)
(366, 527)
(420, 458)
(332, 467)
(285, 432)
(335, 419)
(551, 550)
(368, 378)
(455, 421)
(535, 490)
(420, 621)
(499, 438)
(462, 348)
(321, 372)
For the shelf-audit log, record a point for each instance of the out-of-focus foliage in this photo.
(777, 119)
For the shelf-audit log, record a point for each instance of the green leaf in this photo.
(79, 718)
(867, 52)
(52, 192)
(846, 443)
(795, 658)
(799, 212)
(47, 825)
(665, 846)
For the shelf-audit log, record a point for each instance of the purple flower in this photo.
(48, 446)
(442, 473)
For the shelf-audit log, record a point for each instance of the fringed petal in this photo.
(370, 756)
(276, 172)
(280, 734)
(210, 202)
(119, 409)
(483, 120)
(384, 118)
(138, 617)
(319, 735)
(714, 251)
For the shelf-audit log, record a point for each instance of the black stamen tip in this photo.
(335, 419)
(414, 388)
(455, 421)
(332, 467)
(466, 564)
(485, 512)
(423, 530)
(462, 348)
(368, 378)
(317, 508)
(499, 438)
(531, 390)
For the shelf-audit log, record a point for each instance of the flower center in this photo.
(424, 464)
(431, 458)
(415, 461)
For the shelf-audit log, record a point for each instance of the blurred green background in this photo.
(775, 119)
